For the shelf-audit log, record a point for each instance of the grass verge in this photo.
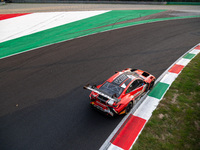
(175, 124)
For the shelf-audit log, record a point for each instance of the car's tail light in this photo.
(94, 95)
(117, 106)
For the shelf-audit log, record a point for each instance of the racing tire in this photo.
(151, 84)
(147, 87)
(129, 107)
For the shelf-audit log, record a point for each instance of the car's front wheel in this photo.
(129, 107)
(151, 84)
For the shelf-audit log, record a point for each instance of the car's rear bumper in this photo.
(104, 109)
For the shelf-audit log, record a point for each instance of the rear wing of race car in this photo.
(94, 89)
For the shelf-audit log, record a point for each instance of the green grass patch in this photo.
(175, 124)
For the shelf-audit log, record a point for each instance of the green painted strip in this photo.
(69, 31)
(189, 56)
(159, 90)
(96, 24)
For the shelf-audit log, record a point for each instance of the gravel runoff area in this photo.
(41, 7)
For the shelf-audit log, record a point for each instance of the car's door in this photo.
(135, 88)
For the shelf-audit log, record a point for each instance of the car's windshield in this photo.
(111, 89)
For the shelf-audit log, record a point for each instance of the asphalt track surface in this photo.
(43, 104)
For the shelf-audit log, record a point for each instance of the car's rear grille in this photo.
(102, 99)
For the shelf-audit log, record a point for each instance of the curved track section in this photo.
(43, 105)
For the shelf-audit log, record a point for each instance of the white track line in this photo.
(31, 23)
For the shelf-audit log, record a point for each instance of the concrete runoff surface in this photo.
(43, 105)
(30, 7)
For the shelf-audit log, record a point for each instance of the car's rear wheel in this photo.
(129, 107)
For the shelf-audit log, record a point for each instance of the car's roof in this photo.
(122, 78)
(119, 82)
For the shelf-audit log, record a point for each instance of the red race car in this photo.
(117, 95)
